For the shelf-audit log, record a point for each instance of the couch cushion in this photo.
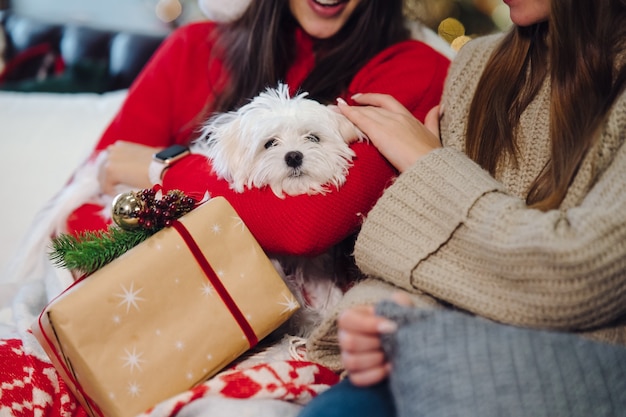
(71, 58)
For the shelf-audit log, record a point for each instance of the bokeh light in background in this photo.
(457, 21)
(479, 17)
(168, 10)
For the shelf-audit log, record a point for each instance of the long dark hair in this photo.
(259, 47)
(582, 42)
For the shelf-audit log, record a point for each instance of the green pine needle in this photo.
(90, 251)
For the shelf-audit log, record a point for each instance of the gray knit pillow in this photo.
(449, 364)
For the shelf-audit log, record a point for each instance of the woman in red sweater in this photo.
(329, 48)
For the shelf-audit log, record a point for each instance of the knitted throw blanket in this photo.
(451, 364)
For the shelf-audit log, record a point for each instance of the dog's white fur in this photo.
(294, 145)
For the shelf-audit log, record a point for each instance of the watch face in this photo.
(174, 152)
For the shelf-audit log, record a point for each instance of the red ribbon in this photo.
(61, 361)
(217, 284)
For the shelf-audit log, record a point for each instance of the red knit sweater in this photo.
(163, 105)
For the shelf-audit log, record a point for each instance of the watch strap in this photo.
(164, 159)
(155, 171)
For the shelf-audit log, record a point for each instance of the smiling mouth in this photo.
(329, 3)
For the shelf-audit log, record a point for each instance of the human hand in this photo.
(126, 163)
(398, 135)
(359, 340)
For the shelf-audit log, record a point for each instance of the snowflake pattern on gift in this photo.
(290, 303)
(134, 389)
(239, 223)
(130, 296)
(207, 290)
(133, 359)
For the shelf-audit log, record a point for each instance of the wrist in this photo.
(163, 160)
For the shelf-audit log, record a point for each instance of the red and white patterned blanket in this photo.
(30, 386)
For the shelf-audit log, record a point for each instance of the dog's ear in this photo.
(220, 142)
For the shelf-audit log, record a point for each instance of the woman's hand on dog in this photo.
(126, 163)
(359, 340)
(398, 135)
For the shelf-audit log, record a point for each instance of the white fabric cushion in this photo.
(44, 138)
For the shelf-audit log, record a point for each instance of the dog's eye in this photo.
(270, 143)
(313, 138)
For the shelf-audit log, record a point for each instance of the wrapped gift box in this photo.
(166, 315)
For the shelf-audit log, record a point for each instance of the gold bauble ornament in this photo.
(450, 29)
(125, 210)
(459, 42)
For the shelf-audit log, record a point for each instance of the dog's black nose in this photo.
(293, 159)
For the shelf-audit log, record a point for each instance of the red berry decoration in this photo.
(142, 209)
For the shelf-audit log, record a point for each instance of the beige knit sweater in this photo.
(448, 229)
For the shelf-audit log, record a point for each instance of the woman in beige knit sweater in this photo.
(519, 218)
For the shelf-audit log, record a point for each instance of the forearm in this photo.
(482, 250)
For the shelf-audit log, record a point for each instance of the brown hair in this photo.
(259, 48)
(581, 41)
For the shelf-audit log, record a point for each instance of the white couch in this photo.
(43, 139)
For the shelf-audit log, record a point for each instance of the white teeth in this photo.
(328, 2)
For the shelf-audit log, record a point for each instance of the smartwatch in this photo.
(165, 159)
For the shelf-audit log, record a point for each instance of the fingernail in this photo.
(341, 101)
(356, 96)
(387, 327)
(341, 335)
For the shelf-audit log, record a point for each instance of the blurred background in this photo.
(160, 16)
(478, 17)
(65, 66)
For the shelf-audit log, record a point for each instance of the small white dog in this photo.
(294, 145)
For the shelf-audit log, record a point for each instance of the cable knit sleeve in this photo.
(448, 229)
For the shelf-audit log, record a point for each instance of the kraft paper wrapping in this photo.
(149, 325)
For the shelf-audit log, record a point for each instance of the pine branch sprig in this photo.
(137, 216)
(90, 251)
